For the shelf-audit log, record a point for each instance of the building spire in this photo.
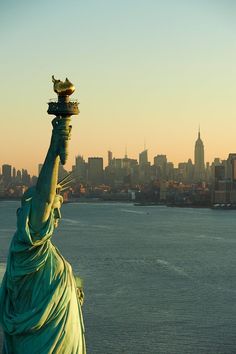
(199, 132)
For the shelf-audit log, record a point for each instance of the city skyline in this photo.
(143, 71)
(190, 183)
(198, 158)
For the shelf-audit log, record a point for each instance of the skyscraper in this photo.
(81, 169)
(199, 165)
(109, 158)
(14, 173)
(95, 170)
(143, 157)
(231, 167)
(6, 174)
(160, 161)
(144, 167)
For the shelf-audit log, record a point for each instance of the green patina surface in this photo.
(40, 311)
(40, 297)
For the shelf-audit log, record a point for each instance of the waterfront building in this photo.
(95, 170)
(81, 169)
(170, 171)
(18, 176)
(109, 153)
(2, 190)
(225, 180)
(182, 172)
(14, 174)
(121, 172)
(6, 174)
(25, 177)
(208, 172)
(143, 157)
(231, 167)
(189, 171)
(160, 161)
(144, 167)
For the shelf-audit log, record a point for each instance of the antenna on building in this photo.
(126, 152)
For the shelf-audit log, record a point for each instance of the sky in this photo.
(145, 71)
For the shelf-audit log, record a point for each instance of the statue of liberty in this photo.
(40, 298)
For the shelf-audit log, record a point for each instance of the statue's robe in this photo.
(39, 309)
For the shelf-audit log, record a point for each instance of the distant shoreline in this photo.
(135, 203)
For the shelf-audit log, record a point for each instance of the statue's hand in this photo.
(60, 135)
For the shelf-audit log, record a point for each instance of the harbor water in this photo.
(157, 280)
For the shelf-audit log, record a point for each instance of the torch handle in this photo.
(64, 147)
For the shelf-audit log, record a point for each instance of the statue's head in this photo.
(62, 185)
(56, 205)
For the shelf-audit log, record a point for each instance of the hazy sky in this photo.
(144, 70)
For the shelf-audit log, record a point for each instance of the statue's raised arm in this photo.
(44, 197)
(40, 298)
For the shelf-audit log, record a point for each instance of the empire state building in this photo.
(199, 165)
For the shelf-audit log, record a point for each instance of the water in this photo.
(158, 280)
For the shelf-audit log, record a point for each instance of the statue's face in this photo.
(56, 208)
